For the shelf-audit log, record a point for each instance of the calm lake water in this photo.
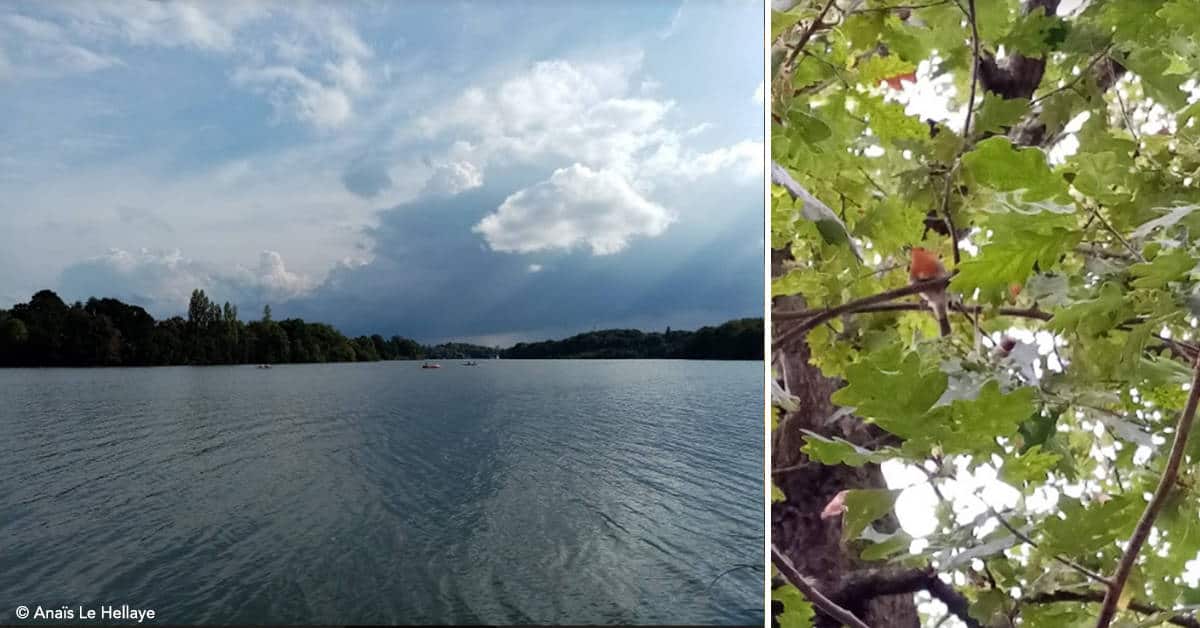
(512, 492)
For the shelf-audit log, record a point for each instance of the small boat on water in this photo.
(470, 363)
(264, 366)
(434, 365)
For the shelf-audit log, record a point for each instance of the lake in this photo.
(605, 491)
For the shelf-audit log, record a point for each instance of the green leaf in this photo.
(831, 451)
(1083, 529)
(996, 113)
(894, 392)
(1093, 317)
(898, 541)
(889, 121)
(863, 506)
(800, 281)
(997, 164)
(1173, 265)
(777, 494)
(1030, 466)
(1019, 242)
(781, 22)
(797, 611)
(879, 67)
(809, 127)
(972, 426)
(1034, 33)
(1038, 429)
(1098, 174)
(990, 607)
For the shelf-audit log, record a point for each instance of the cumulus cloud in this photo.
(453, 178)
(744, 161)
(272, 280)
(597, 114)
(759, 94)
(575, 206)
(535, 268)
(162, 281)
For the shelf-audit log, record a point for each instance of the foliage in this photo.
(740, 339)
(1075, 188)
(106, 332)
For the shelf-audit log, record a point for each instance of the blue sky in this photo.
(477, 170)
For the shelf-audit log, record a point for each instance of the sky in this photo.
(440, 170)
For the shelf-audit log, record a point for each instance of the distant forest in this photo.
(106, 332)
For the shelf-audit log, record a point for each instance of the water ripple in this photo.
(514, 492)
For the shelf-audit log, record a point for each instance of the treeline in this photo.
(740, 339)
(106, 332)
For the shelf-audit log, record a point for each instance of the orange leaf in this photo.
(895, 82)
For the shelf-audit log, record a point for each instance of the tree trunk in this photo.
(813, 544)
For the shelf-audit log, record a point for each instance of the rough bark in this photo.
(813, 544)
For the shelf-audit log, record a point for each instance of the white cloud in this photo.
(575, 206)
(348, 74)
(166, 24)
(162, 281)
(272, 278)
(43, 49)
(585, 113)
(743, 160)
(535, 268)
(759, 94)
(311, 71)
(453, 178)
(671, 27)
(289, 89)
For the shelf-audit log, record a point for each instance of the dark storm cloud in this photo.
(366, 177)
(433, 278)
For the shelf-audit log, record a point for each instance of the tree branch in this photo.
(827, 606)
(817, 318)
(900, 7)
(1185, 350)
(1062, 559)
(808, 33)
(975, 61)
(1052, 597)
(1165, 484)
(869, 583)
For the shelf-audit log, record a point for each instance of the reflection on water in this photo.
(516, 491)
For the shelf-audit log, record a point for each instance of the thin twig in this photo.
(1082, 74)
(1117, 235)
(808, 33)
(862, 306)
(1062, 559)
(901, 7)
(966, 129)
(1125, 116)
(1165, 484)
(1180, 619)
(883, 297)
(827, 606)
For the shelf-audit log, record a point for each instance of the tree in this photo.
(1067, 229)
(266, 317)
